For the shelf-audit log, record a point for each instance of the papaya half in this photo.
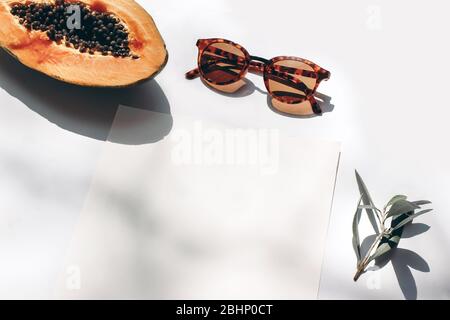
(94, 43)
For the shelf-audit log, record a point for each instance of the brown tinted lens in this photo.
(291, 81)
(222, 63)
(299, 109)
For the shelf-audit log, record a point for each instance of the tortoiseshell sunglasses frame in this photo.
(265, 67)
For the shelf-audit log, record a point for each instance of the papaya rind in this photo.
(158, 67)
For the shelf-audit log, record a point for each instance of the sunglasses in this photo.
(290, 81)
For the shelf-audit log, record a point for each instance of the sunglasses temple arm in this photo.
(324, 75)
(195, 73)
(315, 105)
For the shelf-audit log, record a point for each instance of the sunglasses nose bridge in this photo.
(259, 59)
(256, 67)
(258, 64)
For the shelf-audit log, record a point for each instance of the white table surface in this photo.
(389, 64)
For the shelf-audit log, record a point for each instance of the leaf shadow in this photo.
(414, 230)
(367, 242)
(402, 260)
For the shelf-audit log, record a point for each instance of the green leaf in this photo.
(355, 240)
(411, 218)
(395, 199)
(367, 207)
(421, 202)
(367, 201)
(386, 245)
(401, 207)
(382, 249)
(395, 240)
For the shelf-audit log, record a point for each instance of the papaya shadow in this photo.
(88, 112)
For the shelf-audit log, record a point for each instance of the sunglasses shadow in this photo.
(323, 100)
(246, 87)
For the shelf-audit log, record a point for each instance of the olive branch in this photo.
(399, 211)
